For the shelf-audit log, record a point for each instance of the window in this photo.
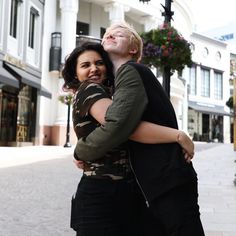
(34, 35)
(14, 17)
(102, 32)
(82, 28)
(205, 52)
(32, 21)
(192, 81)
(205, 85)
(218, 85)
(218, 56)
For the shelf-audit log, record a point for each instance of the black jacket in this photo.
(158, 167)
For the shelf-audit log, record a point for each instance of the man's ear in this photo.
(133, 51)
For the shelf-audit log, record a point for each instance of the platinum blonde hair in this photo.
(135, 39)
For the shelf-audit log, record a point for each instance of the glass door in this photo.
(8, 115)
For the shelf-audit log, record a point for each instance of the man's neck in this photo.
(119, 61)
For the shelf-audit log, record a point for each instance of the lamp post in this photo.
(67, 144)
(167, 71)
(168, 16)
(67, 99)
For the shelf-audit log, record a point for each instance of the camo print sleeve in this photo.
(114, 164)
(86, 96)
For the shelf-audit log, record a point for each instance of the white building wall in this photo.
(212, 62)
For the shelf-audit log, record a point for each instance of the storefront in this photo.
(206, 122)
(19, 92)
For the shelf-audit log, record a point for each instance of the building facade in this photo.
(21, 27)
(208, 80)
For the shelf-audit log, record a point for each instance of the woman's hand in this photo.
(79, 163)
(187, 144)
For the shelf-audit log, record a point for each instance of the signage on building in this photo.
(14, 61)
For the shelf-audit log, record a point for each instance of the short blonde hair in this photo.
(135, 39)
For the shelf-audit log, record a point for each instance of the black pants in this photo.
(107, 208)
(177, 212)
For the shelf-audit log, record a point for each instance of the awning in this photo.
(25, 77)
(208, 108)
(7, 78)
(44, 92)
(28, 79)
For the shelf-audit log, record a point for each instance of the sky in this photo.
(213, 13)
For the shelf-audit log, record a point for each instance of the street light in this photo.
(168, 16)
(67, 144)
(167, 71)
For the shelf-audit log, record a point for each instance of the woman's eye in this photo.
(99, 63)
(85, 65)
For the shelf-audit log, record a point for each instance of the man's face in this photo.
(117, 41)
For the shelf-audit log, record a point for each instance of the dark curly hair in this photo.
(69, 69)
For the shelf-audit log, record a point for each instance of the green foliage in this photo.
(66, 99)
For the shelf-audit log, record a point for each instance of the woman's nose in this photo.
(94, 67)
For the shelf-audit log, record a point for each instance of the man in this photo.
(167, 181)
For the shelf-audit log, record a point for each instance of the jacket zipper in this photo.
(137, 181)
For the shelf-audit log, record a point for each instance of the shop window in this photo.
(8, 114)
(25, 116)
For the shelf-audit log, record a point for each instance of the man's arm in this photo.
(122, 116)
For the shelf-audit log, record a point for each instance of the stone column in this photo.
(116, 11)
(69, 11)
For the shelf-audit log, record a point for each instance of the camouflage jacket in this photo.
(114, 164)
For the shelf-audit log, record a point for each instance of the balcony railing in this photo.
(80, 39)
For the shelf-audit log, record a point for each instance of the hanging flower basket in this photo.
(66, 99)
(165, 47)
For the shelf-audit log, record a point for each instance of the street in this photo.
(37, 184)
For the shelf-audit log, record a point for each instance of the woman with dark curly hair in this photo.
(108, 199)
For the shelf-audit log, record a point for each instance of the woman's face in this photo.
(91, 67)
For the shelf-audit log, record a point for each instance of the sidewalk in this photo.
(15, 156)
(217, 194)
(37, 184)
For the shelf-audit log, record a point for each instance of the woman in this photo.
(108, 198)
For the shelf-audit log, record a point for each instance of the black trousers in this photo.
(104, 207)
(177, 212)
(117, 208)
